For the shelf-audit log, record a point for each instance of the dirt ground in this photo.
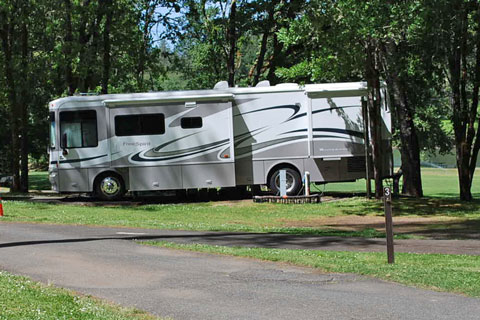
(430, 227)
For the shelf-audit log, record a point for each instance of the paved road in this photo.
(183, 285)
(271, 240)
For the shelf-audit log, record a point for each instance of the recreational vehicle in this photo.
(224, 137)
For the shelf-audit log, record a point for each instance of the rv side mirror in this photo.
(64, 144)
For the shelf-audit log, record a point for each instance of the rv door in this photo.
(80, 148)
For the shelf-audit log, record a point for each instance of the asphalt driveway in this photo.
(104, 262)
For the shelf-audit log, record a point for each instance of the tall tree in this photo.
(455, 28)
(9, 11)
(340, 38)
(24, 96)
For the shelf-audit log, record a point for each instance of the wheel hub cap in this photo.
(110, 186)
(290, 182)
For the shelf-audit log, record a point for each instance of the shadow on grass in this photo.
(408, 207)
(469, 229)
(475, 195)
(437, 230)
(38, 181)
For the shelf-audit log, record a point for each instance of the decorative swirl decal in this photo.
(351, 133)
(294, 107)
(154, 155)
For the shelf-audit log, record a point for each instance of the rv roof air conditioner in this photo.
(286, 85)
(221, 85)
(264, 83)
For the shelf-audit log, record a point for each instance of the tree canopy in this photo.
(427, 53)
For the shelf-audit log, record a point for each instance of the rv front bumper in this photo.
(53, 178)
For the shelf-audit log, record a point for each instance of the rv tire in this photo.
(109, 186)
(294, 181)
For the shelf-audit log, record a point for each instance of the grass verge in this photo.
(21, 298)
(450, 273)
(437, 183)
(439, 216)
(245, 216)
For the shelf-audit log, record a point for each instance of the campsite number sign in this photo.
(387, 201)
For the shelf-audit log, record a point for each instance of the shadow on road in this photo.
(264, 240)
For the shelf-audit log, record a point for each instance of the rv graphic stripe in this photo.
(163, 156)
(315, 136)
(154, 153)
(172, 141)
(256, 147)
(334, 108)
(352, 133)
(294, 107)
(248, 135)
(319, 111)
(78, 160)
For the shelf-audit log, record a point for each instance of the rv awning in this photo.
(168, 99)
(335, 89)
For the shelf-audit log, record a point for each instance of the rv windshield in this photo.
(52, 130)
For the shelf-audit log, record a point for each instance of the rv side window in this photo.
(52, 130)
(191, 123)
(140, 124)
(78, 129)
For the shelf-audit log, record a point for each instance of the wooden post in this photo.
(387, 201)
(366, 141)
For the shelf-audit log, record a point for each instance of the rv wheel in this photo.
(109, 187)
(294, 181)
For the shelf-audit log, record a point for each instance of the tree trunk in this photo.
(463, 116)
(106, 45)
(83, 38)
(90, 81)
(373, 108)
(261, 58)
(409, 146)
(71, 87)
(473, 138)
(149, 13)
(277, 49)
(263, 46)
(24, 99)
(232, 39)
(464, 176)
(7, 37)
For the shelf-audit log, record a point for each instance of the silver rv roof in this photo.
(222, 93)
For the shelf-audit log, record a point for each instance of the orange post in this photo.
(1, 208)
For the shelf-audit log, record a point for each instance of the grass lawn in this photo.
(452, 273)
(438, 215)
(21, 298)
(38, 180)
(437, 183)
(349, 217)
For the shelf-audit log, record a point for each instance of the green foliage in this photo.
(171, 45)
(134, 59)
